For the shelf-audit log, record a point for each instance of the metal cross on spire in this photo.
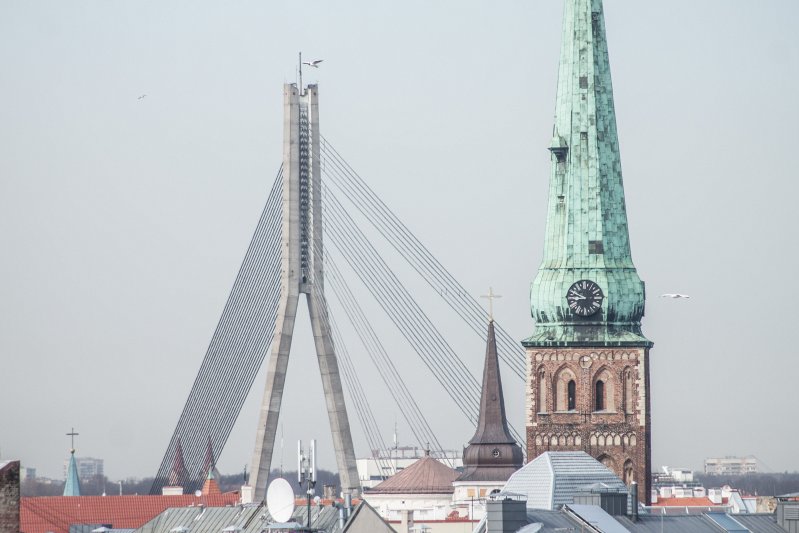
(491, 296)
(72, 436)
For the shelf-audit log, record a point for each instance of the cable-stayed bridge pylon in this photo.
(287, 258)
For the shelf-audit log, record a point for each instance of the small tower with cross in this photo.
(492, 454)
(72, 483)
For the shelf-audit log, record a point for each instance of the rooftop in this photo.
(425, 476)
(56, 513)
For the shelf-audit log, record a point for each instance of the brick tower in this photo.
(588, 361)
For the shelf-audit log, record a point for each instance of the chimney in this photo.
(634, 501)
(406, 521)
(348, 504)
(247, 494)
(329, 492)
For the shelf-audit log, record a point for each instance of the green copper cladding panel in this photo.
(586, 231)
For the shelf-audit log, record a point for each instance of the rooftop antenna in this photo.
(300, 71)
(306, 472)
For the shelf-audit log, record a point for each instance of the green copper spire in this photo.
(72, 485)
(586, 235)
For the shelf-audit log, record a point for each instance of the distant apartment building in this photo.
(27, 473)
(730, 466)
(88, 468)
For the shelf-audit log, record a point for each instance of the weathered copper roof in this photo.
(586, 232)
(425, 476)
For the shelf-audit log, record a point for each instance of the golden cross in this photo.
(491, 296)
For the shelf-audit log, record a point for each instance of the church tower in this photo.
(492, 454)
(588, 361)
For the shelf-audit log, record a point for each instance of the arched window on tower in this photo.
(542, 392)
(599, 395)
(629, 406)
(629, 472)
(572, 395)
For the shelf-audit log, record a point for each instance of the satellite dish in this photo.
(198, 493)
(280, 500)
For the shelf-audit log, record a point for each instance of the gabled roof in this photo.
(365, 518)
(57, 513)
(425, 476)
(553, 478)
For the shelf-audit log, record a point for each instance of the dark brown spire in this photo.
(209, 463)
(492, 454)
(177, 477)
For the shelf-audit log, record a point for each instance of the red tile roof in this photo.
(211, 487)
(685, 502)
(57, 513)
(425, 476)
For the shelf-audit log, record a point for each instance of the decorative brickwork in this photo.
(605, 412)
(9, 497)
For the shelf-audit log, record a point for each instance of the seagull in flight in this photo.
(670, 295)
(141, 97)
(314, 64)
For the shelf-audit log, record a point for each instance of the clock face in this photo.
(495, 452)
(585, 298)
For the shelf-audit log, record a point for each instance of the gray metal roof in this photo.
(762, 523)
(239, 519)
(553, 478)
(726, 522)
(597, 517)
(756, 523)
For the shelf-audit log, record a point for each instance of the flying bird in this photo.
(674, 296)
(141, 97)
(314, 64)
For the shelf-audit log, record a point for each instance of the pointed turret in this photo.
(209, 463)
(72, 485)
(587, 291)
(178, 475)
(492, 453)
(211, 486)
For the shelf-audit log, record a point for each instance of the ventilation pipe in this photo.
(348, 504)
(634, 501)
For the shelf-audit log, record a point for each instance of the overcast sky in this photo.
(123, 221)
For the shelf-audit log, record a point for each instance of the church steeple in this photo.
(72, 484)
(178, 475)
(492, 454)
(586, 233)
(588, 361)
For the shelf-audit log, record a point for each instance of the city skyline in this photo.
(125, 219)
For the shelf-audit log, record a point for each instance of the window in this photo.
(572, 395)
(629, 406)
(599, 396)
(542, 392)
(629, 472)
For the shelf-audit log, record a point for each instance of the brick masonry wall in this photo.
(9, 498)
(618, 435)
